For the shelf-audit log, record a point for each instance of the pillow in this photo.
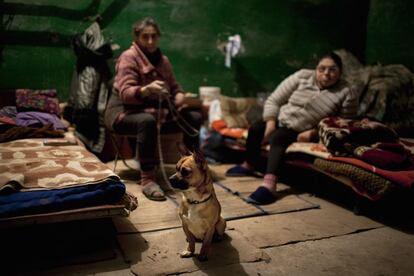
(234, 110)
(37, 100)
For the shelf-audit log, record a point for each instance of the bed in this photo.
(47, 175)
(372, 160)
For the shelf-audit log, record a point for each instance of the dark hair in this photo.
(337, 59)
(140, 25)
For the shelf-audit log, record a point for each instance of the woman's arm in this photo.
(127, 79)
(280, 96)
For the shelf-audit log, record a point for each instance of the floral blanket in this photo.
(342, 136)
(49, 163)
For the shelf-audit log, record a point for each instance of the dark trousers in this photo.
(144, 127)
(279, 141)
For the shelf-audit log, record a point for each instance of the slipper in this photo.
(153, 192)
(239, 170)
(261, 196)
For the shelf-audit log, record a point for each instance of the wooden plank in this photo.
(233, 207)
(150, 215)
(159, 252)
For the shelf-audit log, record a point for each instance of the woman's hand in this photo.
(154, 89)
(270, 128)
(307, 135)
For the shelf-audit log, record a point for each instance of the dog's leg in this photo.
(189, 252)
(220, 227)
(205, 247)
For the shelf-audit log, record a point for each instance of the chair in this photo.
(118, 148)
(170, 154)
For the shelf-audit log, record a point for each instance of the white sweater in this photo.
(298, 103)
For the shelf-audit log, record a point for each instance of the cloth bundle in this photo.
(37, 100)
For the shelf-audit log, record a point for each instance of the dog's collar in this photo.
(197, 201)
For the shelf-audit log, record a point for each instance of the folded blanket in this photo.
(35, 202)
(29, 164)
(365, 183)
(403, 178)
(388, 156)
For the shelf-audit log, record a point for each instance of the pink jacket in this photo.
(133, 71)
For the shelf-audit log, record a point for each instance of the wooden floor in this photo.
(310, 230)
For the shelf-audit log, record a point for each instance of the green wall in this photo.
(390, 38)
(279, 37)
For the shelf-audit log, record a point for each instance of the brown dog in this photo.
(200, 211)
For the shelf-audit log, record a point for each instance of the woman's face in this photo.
(327, 73)
(148, 39)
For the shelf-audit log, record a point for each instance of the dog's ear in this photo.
(199, 158)
(182, 149)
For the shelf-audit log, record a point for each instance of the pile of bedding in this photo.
(44, 168)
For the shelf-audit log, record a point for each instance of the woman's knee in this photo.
(257, 128)
(194, 118)
(147, 121)
(282, 137)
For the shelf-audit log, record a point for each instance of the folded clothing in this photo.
(39, 119)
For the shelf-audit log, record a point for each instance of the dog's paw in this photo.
(217, 237)
(186, 254)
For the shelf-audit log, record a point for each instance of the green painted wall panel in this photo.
(279, 38)
(390, 39)
(37, 67)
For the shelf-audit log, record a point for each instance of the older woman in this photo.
(144, 77)
(291, 113)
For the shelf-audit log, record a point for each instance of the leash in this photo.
(182, 124)
(160, 154)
